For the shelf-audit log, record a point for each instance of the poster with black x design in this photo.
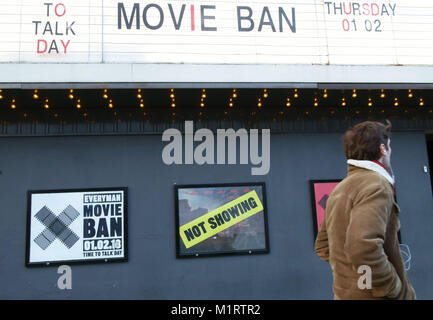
(71, 226)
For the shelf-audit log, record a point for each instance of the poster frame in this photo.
(313, 202)
(266, 249)
(314, 209)
(78, 261)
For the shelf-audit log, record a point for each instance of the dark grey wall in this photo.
(290, 271)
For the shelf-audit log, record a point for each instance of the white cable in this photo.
(405, 254)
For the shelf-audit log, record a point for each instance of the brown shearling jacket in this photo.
(360, 228)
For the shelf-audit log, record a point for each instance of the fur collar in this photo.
(370, 165)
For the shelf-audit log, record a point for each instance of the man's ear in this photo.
(383, 149)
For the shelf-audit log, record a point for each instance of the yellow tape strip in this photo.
(220, 219)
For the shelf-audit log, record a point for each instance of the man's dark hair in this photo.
(362, 141)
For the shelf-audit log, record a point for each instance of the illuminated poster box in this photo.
(80, 225)
(221, 219)
(320, 192)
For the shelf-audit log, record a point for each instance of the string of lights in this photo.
(269, 103)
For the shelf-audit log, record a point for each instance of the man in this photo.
(359, 231)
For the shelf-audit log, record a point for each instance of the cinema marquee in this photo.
(173, 43)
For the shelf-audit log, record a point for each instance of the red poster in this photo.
(321, 190)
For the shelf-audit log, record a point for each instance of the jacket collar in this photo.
(370, 165)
